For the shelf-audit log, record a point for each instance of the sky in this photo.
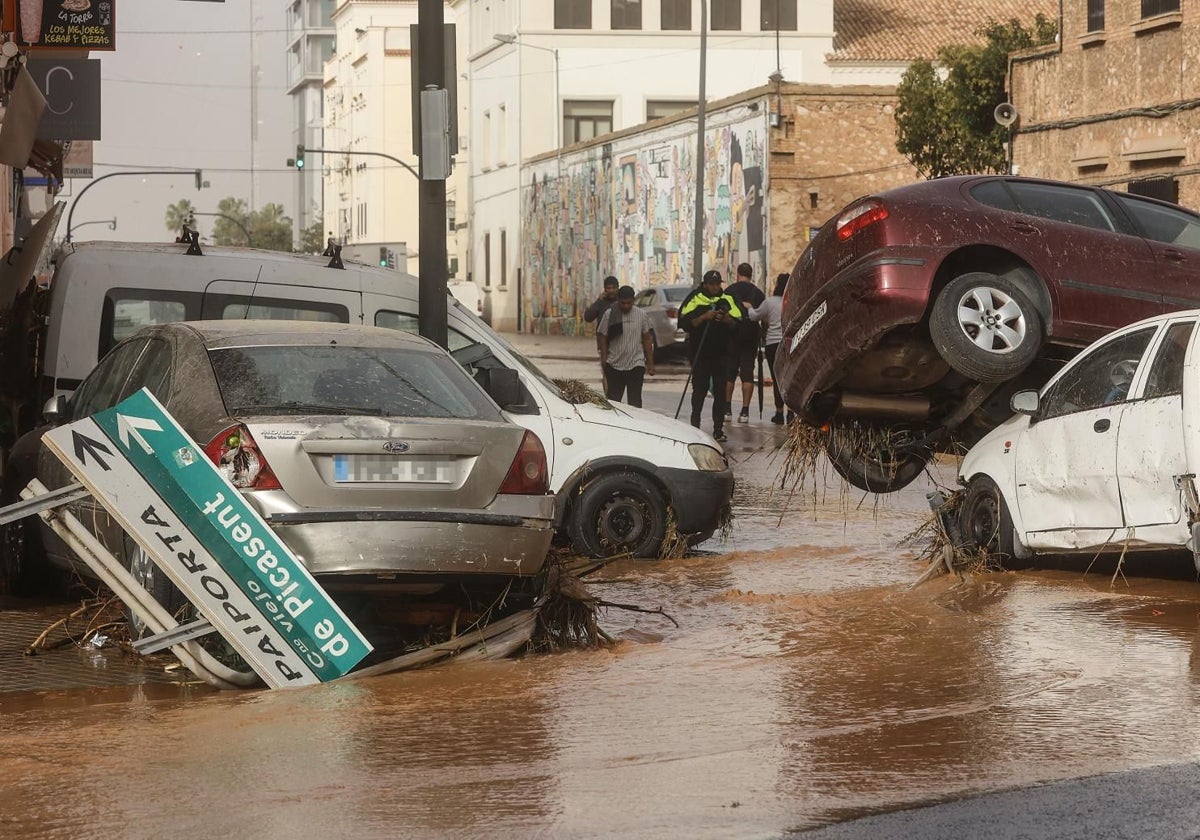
(177, 92)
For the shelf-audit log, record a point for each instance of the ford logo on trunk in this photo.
(395, 446)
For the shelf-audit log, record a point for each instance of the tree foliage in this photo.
(235, 224)
(312, 238)
(179, 214)
(944, 122)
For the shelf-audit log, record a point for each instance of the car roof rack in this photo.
(334, 251)
(192, 238)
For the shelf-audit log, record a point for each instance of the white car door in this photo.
(1066, 461)
(1150, 450)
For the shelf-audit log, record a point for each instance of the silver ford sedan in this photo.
(371, 452)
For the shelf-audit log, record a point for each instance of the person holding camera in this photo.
(710, 318)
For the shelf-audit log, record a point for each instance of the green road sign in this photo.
(216, 513)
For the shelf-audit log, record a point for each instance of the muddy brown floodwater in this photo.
(806, 683)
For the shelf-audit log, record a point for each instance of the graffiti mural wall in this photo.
(627, 207)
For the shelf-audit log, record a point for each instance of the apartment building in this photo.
(310, 36)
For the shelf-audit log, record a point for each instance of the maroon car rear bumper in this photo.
(846, 316)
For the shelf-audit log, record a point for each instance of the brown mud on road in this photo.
(805, 683)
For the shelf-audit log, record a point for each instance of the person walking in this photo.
(626, 348)
(770, 314)
(744, 343)
(709, 317)
(606, 301)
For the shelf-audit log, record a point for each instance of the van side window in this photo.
(1166, 374)
(409, 324)
(244, 307)
(125, 311)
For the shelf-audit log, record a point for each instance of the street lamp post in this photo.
(245, 231)
(112, 223)
(368, 154)
(196, 172)
(512, 39)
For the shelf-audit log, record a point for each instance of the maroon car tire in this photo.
(985, 327)
(869, 467)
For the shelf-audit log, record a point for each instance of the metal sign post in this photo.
(154, 480)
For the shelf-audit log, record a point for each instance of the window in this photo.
(626, 14)
(1095, 16)
(411, 324)
(153, 371)
(1164, 224)
(485, 157)
(487, 260)
(1101, 378)
(131, 313)
(1062, 204)
(676, 14)
(659, 108)
(778, 14)
(102, 388)
(726, 15)
(1164, 188)
(503, 258)
(1150, 8)
(243, 307)
(583, 120)
(1166, 374)
(572, 14)
(501, 135)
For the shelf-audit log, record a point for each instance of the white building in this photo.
(372, 202)
(546, 75)
(310, 43)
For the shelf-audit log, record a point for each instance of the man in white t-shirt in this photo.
(626, 348)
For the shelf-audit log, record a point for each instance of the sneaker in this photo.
(729, 412)
(744, 417)
(719, 435)
(777, 418)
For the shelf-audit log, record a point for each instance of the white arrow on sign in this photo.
(128, 427)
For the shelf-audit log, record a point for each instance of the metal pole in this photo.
(95, 181)
(431, 305)
(698, 238)
(368, 154)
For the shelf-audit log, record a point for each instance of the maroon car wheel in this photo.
(871, 460)
(985, 327)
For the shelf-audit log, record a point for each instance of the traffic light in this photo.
(298, 160)
(383, 256)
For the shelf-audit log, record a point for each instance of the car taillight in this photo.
(528, 474)
(857, 218)
(236, 455)
(672, 312)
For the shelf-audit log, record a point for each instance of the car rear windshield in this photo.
(676, 295)
(343, 379)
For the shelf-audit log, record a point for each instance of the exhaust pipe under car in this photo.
(890, 407)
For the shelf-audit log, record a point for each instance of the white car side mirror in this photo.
(1025, 402)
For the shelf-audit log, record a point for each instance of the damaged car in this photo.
(914, 314)
(1105, 457)
(381, 463)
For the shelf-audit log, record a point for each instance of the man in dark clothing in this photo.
(606, 301)
(710, 318)
(744, 346)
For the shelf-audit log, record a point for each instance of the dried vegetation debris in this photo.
(578, 392)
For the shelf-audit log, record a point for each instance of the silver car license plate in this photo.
(389, 468)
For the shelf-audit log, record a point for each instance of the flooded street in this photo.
(806, 683)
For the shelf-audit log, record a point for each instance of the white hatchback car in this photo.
(1106, 456)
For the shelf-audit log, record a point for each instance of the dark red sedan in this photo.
(913, 314)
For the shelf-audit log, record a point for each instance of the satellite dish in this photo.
(1005, 114)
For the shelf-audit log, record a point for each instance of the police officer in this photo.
(710, 318)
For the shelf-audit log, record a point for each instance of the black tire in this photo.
(619, 513)
(985, 327)
(24, 569)
(985, 523)
(152, 579)
(874, 467)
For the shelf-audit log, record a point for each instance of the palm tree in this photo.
(180, 213)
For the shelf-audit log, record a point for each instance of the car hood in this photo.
(639, 420)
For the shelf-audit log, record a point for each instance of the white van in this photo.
(623, 476)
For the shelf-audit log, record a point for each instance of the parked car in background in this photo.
(915, 313)
(372, 454)
(1105, 457)
(661, 305)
